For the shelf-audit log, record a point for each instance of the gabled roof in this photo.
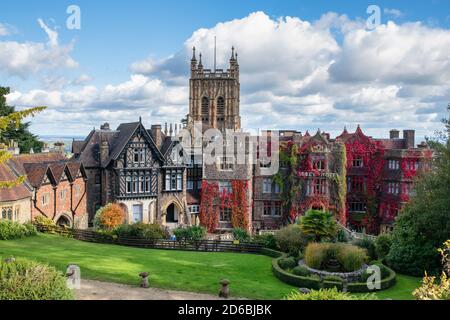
(15, 193)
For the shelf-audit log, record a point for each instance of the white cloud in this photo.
(27, 58)
(294, 74)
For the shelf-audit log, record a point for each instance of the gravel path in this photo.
(96, 290)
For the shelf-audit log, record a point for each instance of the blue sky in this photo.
(115, 35)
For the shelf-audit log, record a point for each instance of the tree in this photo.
(424, 223)
(319, 224)
(18, 131)
(10, 119)
(109, 217)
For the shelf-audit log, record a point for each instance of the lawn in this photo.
(250, 275)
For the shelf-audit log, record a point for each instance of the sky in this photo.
(304, 64)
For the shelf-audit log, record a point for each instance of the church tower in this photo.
(214, 95)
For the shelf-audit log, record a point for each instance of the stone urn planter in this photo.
(333, 265)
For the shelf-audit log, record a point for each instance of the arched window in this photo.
(205, 107)
(220, 106)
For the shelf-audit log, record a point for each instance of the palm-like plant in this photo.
(319, 224)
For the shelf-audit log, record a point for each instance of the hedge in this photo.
(289, 278)
(271, 252)
(386, 283)
(311, 283)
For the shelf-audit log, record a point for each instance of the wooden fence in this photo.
(188, 245)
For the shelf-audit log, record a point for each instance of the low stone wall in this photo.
(348, 276)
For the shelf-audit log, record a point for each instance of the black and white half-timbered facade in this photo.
(137, 168)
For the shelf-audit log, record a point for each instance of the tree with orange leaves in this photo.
(109, 217)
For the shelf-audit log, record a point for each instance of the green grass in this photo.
(250, 275)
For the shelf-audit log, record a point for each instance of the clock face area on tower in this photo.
(214, 95)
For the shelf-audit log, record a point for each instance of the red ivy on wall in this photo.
(209, 213)
(213, 200)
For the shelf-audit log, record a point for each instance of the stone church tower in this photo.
(214, 95)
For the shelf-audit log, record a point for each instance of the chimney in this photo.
(105, 127)
(156, 133)
(394, 134)
(409, 137)
(104, 151)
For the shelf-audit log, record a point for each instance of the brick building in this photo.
(55, 187)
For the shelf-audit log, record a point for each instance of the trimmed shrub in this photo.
(291, 239)
(241, 234)
(287, 263)
(367, 244)
(140, 230)
(333, 278)
(383, 244)
(10, 230)
(194, 233)
(109, 217)
(28, 280)
(44, 221)
(301, 271)
(328, 294)
(271, 253)
(341, 236)
(294, 280)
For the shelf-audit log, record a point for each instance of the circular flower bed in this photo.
(334, 257)
(353, 276)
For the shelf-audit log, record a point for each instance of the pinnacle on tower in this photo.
(193, 54)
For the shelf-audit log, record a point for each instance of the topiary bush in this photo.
(383, 244)
(287, 263)
(301, 271)
(10, 230)
(28, 280)
(328, 294)
(291, 239)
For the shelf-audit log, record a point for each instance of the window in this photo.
(77, 191)
(267, 185)
(128, 185)
(137, 213)
(319, 164)
(393, 164)
(7, 213)
(277, 188)
(45, 199)
(174, 180)
(142, 184)
(357, 207)
(139, 155)
(147, 184)
(63, 194)
(225, 186)
(194, 209)
(356, 184)
(225, 214)
(393, 187)
(319, 186)
(16, 213)
(226, 163)
(205, 109)
(220, 106)
(272, 208)
(358, 162)
(190, 184)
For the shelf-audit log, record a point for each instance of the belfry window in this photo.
(205, 108)
(220, 106)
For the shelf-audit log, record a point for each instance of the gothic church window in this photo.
(221, 106)
(205, 108)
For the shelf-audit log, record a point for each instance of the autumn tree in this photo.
(109, 217)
